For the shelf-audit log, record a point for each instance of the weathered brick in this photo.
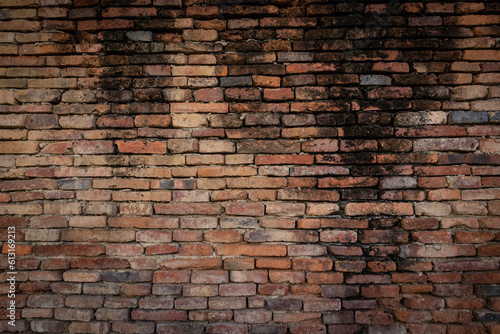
(279, 235)
(93, 147)
(400, 182)
(245, 209)
(285, 209)
(443, 251)
(159, 315)
(452, 144)
(432, 209)
(46, 325)
(353, 209)
(338, 236)
(98, 236)
(278, 94)
(252, 316)
(34, 96)
(141, 147)
(318, 264)
(392, 236)
(251, 250)
(347, 182)
(183, 209)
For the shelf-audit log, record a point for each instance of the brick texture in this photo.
(274, 166)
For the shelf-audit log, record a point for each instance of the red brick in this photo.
(190, 196)
(251, 250)
(81, 276)
(347, 182)
(353, 209)
(473, 237)
(155, 121)
(285, 209)
(162, 249)
(187, 209)
(195, 108)
(293, 317)
(238, 264)
(227, 328)
(222, 236)
(383, 236)
(199, 71)
(195, 250)
(266, 81)
(273, 263)
(88, 222)
(278, 94)
(252, 276)
(443, 251)
(424, 302)
(338, 236)
(124, 250)
(420, 223)
(209, 277)
(389, 93)
(202, 12)
(28, 184)
(242, 94)
(143, 222)
(451, 222)
(311, 67)
(465, 265)
(190, 303)
(443, 194)
(154, 236)
(391, 67)
(245, 209)
(171, 277)
(159, 315)
(93, 147)
(141, 147)
(183, 263)
(433, 237)
(83, 235)
(488, 250)
(350, 266)
(318, 264)
(209, 315)
(112, 263)
(237, 289)
(209, 95)
(345, 250)
(252, 316)
(284, 160)
(308, 132)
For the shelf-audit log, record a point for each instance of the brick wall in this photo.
(279, 166)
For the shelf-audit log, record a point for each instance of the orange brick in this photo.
(141, 147)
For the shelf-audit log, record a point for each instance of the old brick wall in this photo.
(264, 166)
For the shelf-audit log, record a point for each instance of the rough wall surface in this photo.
(280, 166)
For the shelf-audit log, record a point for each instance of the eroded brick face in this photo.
(276, 166)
